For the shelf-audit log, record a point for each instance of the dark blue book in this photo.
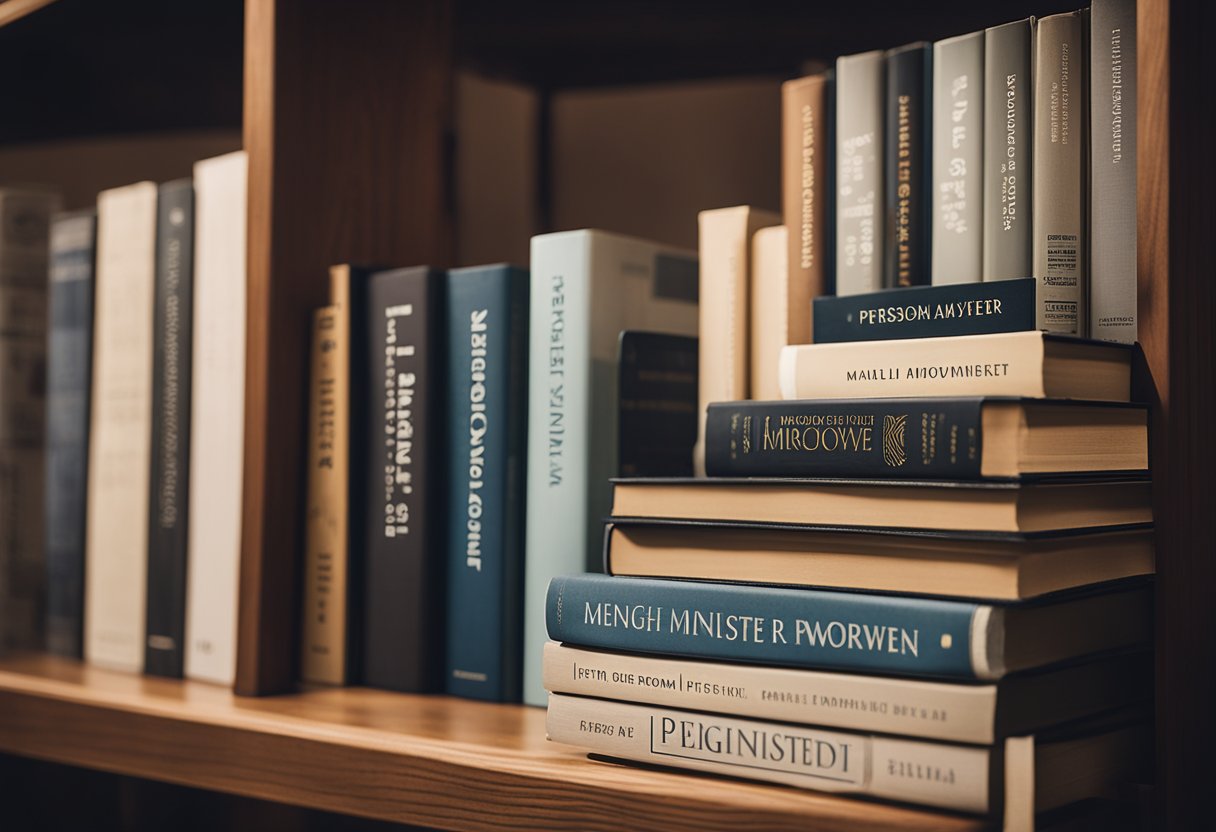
(487, 323)
(908, 152)
(68, 377)
(657, 397)
(927, 312)
(853, 631)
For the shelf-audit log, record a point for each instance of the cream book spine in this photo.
(778, 316)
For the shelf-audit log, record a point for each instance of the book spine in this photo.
(958, 159)
(765, 625)
(1008, 145)
(893, 438)
(931, 774)
(170, 472)
(806, 151)
(68, 376)
(405, 521)
(657, 396)
(927, 312)
(487, 396)
(1060, 175)
(859, 174)
(907, 157)
(1112, 54)
(774, 313)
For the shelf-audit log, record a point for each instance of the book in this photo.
(164, 650)
(1033, 364)
(487, 399)
(806, 199)
(724, 256)
(993, 566)
(775, 312)
(849, 631)
(1112, 155)
(1008, 150)
(404, 447)
(972, 713)
(1020, 776)
(958, 438)
(657, 397)
(958, 159)
(68, 381)
(120, 434)
(927, 312)
(587, 286)
(908, 158)
(1061, 149)
(860, 229)
(1053, 504)
(217, 418)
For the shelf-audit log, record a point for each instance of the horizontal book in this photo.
(958, 438)
(926, 312)
(1003, 567)
(1024, 775)
(852, 631)
(991, 506)
(1033, 364)
(973, 713)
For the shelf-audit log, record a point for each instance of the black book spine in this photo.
(170, 474)
(868, 438)
(908, 152)
(405, 447)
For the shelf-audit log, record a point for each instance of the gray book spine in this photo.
(958, 159)
(1008, 122)
(1060, 175)
(1112, 54)
(859, 174)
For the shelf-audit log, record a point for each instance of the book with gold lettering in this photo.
(908, 156)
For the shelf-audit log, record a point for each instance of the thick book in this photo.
(775, 313)
(908, 158)
(168, 520)
(1052, 504)
(1061, 183)
(1112, 171)
(953, 438)
(970, 713)
(806, 199)
(1008, 150)
(958, 159)
(993, 566)
(1020, 777)
(120, 441)
(927, 312)
(68, 379)
(657, 395)
(860, 228)
(850, 631)
(1032, 364)
(404, 445)
(487, 392)
(587, 286)
(217, 418)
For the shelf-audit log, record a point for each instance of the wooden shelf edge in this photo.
(429, 761)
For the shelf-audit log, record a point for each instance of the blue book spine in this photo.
(487, 403)
(765, 625)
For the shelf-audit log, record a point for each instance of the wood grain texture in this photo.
(430, 761)
(347, 117)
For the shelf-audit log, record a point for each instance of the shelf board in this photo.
(425, 760)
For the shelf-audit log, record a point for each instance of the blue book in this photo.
(853, 631)
(487, 404)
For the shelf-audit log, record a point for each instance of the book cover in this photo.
(860, 131)
(806, 194)
(487, 398)
(657, 394)
(404, 447)
(164, 651)
(958, 159)
(775, 315)
(908, 157)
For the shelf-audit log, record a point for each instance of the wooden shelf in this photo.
(429, 761)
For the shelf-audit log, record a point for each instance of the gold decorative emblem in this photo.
(894, 449)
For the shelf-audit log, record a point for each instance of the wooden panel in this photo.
(346, 125)
(431, 761)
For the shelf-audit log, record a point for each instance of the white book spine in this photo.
(860, 237)
(958, 159)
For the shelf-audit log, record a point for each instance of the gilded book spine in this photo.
(806, 152)
(908, 158)
(958, 159)
(1008, 118)
(859, 173)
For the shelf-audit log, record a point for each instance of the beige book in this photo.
(120, 435)
(805, 154)
(778, 316)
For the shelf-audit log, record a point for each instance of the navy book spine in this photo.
(927, 312)
(809, 628)
(164, 652)
(68, 379)
(487, 331)
(907, 176)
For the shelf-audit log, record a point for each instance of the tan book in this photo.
(777, 313)
(805, 154)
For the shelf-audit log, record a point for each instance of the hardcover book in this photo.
(860, 228)
(958, 159)
(908, 156)
(657, 393)
(775, 317)
(807, 146)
